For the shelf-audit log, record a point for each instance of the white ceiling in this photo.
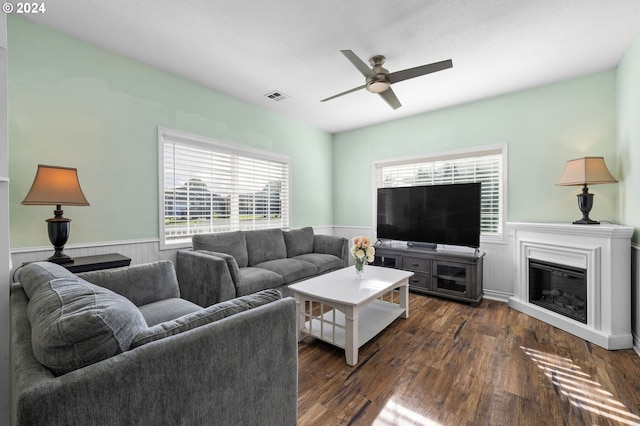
(249, 48)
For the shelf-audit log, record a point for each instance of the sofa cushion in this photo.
(75, 323)
(290, 269)
(166, 310)
(299, 241)
(142, 284)
(265, 244)
(253, 280)
(232, 243)
(324, 262)
(205, 316)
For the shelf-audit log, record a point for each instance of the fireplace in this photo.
(559, 288)
(576, 278)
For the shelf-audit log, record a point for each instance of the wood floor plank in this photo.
(452, 364)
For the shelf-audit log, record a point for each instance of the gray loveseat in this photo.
(128, 350)
(231, 264)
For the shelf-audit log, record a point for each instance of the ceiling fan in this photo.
(379, 79)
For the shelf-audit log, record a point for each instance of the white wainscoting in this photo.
(140, 251)
(635, 292)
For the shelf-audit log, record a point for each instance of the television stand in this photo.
(438, 272)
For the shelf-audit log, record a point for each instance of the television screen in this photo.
(438, 214)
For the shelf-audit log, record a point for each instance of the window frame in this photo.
(169, 135)
(497, 149)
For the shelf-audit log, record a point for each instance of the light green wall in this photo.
(542, 127)
(629, 137)
(76, 105)
(73, 104)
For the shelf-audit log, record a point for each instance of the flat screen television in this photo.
(434, 214)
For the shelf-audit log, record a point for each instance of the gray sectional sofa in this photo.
(121, 347)
(226, 265)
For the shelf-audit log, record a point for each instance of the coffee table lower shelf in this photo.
(374, 318)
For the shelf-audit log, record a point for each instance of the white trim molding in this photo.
(635, 294)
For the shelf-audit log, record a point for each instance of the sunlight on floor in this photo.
(577, 385)
(395, 414)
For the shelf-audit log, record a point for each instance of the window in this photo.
(208, 186)
(484, 165)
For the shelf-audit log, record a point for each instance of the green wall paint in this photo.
(542, 127)
(77, 105)
(629, 137)
(74, 104)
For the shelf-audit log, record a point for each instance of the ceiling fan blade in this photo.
(390, 97)
(345, 93)
(357, 62)
(397, 76)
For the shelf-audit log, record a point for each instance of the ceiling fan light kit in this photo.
(377, 86)
(379, 80)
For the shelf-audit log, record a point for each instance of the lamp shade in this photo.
(55, 186)
(585, 171)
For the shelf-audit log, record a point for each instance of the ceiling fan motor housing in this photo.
(378, 81)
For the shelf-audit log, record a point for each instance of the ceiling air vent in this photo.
(277, 96)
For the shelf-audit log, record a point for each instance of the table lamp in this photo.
(582, 172)
(55, 186)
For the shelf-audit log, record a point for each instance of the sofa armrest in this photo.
(208, 375)
(142, 284)
(204, 278)
(329, 244)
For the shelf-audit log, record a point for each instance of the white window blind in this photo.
(208, 187)
(485, 167)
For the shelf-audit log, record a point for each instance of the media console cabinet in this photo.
(446, 273)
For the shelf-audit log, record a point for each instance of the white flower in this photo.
(360, 254)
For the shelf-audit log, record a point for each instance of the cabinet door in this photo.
(451, 278)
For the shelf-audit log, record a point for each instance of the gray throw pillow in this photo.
(35, 274)
(299, 241)
(205, 316)
(75, 324)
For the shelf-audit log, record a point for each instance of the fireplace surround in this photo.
(600, 255)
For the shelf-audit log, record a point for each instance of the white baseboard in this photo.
(498, 296)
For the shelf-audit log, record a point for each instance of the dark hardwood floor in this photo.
(452, 364)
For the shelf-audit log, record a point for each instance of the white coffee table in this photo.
(361, 308)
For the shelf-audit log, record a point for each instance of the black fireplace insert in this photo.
(559, 288)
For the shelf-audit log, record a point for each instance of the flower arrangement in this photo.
(363, 252)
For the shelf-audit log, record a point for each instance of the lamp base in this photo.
(59, 228)
(586, 221)
(585, 203)
(60, 258)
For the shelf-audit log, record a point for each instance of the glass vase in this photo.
(359, 264)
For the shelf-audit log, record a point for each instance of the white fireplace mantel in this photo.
(604, 251)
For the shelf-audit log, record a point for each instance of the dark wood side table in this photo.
(94, 263)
